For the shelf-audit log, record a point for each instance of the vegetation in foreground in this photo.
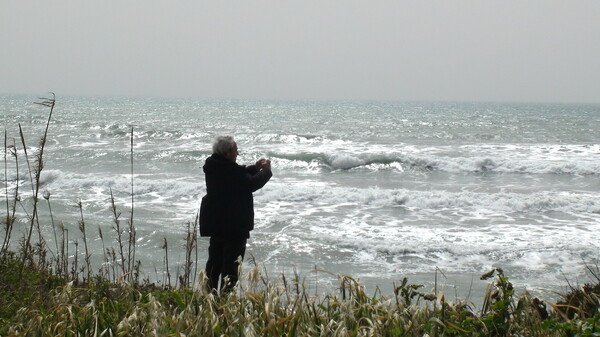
(43, 304)
(47, 291)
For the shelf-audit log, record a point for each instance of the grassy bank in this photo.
(36, 302)
(51, 287)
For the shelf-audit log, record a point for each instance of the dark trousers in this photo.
(222, 261)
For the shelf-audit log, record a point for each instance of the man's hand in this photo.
(260, 164)
(263, 164)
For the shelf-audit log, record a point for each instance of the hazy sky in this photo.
(481, 50)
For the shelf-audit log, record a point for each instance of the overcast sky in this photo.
(485, 50)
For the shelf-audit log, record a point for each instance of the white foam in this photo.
(344, 161)
(505, 158)
(160, 189)
(432, 200)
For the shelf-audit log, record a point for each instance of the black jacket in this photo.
(227, 209)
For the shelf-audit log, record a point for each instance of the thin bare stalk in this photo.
(41, 241)
(47, 102)
(104, 253)
(6, 187)
(165, 246)
(11, 221)
(65, 249)
(178, 272)
(10, 218)
(189, 248)
(23, 208)
(136, 271)
(47, 197)
(196, 229)
(74, 273)
(60, 253)
(132, 232)
(117, 228)
(113, 255)
(82, 229)
(31, 180)
(26, 158)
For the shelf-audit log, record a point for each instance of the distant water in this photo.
(376, 190)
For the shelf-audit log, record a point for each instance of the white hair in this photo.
(223, 144)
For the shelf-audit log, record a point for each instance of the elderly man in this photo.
(227, 210)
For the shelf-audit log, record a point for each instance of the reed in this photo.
(38, 167)
(191, 243)
(104, 269)
(165, 246)
(6, 191)
(47, 197)
(85, 244)
(75, 265)
(10, 211)
(132, 233)
(118, 230)
(64, 250)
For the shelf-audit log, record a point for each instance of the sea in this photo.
(437, 192)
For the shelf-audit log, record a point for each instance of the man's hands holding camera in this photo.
(263, 164)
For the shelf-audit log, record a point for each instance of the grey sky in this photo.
(482, 50)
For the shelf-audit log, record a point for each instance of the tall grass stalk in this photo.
(165, 246)
(85, 245)
(191, 241)
(66, 257)
(75, 265)
(196, 231)
(105, 271)
(63, 261)
(27, 159)
(10, 215)
(47, 197)
(132, 232)
(6, 188)
(39, 166)
(114, 263)
(118, 230)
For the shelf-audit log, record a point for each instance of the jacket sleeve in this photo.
(256, 181)
(251, 169)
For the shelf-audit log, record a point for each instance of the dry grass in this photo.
(56, 306)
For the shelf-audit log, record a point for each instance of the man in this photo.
(227, 210)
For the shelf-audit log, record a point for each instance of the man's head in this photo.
(226, 146)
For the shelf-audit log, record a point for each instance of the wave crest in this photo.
(402, 162)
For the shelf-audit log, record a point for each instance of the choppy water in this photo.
(377, 190)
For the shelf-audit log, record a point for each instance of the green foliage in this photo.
(47, 306)
(44, 304)
(589, 327)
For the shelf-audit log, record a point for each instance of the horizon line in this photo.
(305, 99)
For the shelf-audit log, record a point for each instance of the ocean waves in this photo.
(376, 189)
(571, 160)
(175, 193)
(324, 198)
(400, 230)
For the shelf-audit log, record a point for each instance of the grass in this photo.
(46, 291)
(43, 304)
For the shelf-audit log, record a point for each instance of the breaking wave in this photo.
(433, 162)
